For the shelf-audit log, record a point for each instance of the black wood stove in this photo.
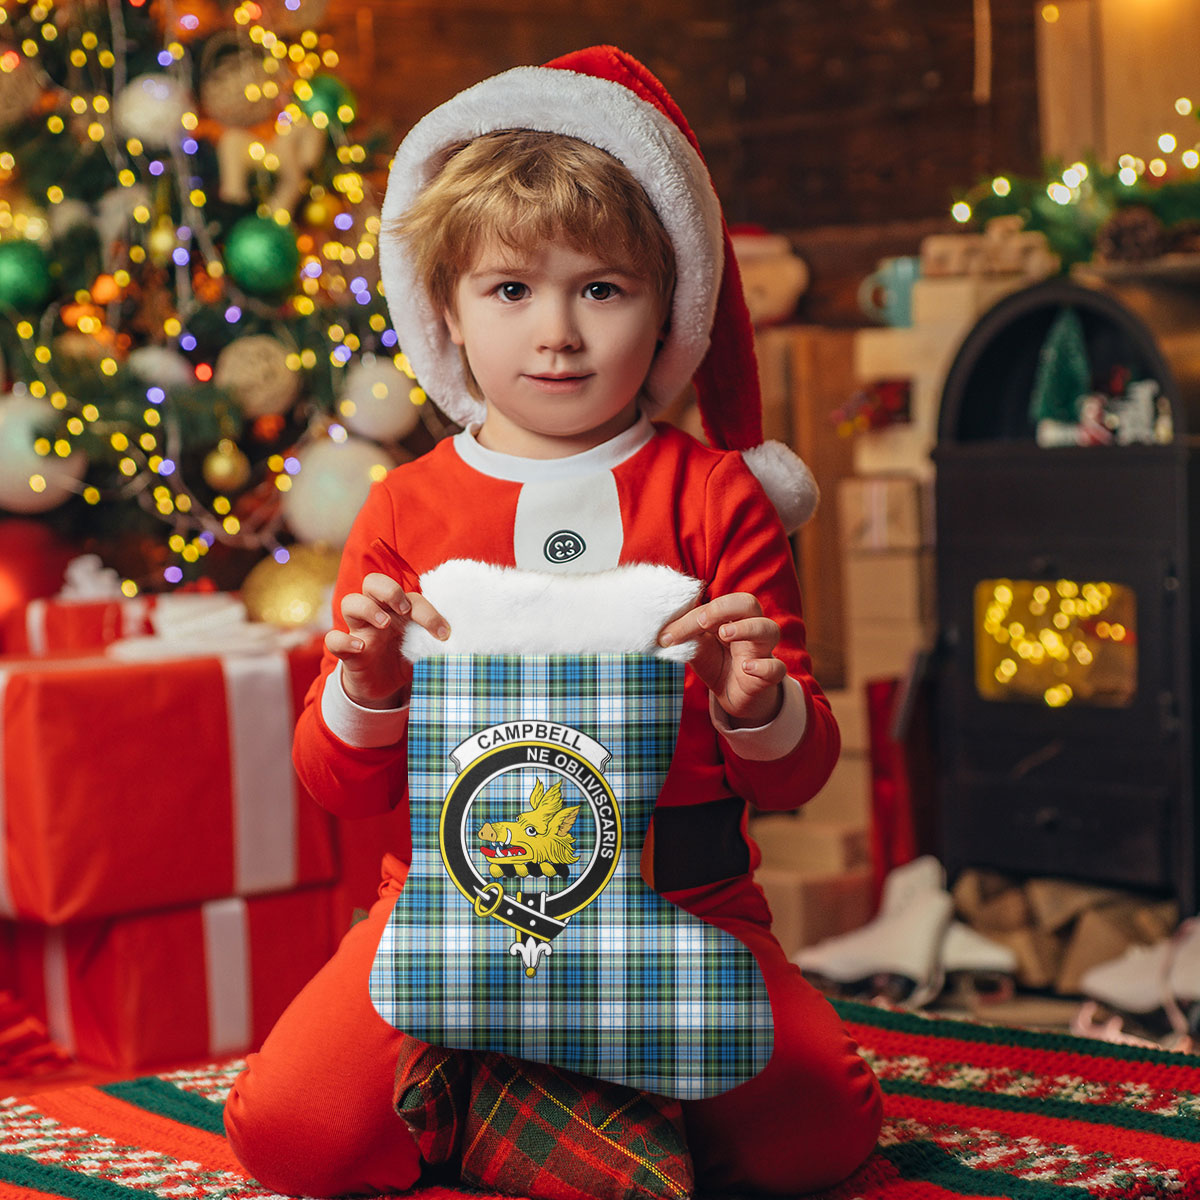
(1067, 665)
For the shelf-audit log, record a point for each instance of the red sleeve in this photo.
(351, 781)
(748, 551)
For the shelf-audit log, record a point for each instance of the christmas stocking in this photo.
(525, 926)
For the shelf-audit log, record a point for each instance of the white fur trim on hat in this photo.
(604, 114)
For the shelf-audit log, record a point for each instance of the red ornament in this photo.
(267, 428)
(32, 561)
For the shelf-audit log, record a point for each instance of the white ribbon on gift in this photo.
(258, 700)
(227, 977)
(56, 980)
(35, 626)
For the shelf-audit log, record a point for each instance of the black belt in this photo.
(695, 844)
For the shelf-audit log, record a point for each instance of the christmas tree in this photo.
(197, 359)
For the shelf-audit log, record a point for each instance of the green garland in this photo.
(1071, 228)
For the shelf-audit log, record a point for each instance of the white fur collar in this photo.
(503, 610)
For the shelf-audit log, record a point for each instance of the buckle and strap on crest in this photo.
(532, 784)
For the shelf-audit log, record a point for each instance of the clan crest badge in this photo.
(533, 868)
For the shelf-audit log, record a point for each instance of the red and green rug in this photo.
(972, 1110)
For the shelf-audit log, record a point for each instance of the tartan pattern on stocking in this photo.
(532, 1130)
(634, 990)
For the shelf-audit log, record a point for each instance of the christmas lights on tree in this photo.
(192, 336)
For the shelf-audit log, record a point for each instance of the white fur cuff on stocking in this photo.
(503, 610)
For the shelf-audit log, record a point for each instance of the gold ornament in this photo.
(255, 370)
(162, 242)
(236, 87)
(317, 213)
(295, 593)
(226, 468)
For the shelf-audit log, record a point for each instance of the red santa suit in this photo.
(313, 1112)
(651, 495)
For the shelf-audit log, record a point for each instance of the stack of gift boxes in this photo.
(885, 508)
(166, 884)
(821, 869)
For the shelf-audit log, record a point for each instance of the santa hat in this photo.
(607, 98)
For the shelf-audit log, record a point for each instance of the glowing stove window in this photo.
(1056, 642)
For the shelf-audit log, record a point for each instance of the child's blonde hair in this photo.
(521, 188)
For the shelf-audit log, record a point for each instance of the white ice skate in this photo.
(898, 953)
(980, 966)
(1155, 987)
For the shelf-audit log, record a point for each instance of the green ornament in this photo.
(24, 275)
(328, 95)
(1064, 375)
(262, 256)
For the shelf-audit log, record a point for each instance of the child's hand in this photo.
(734, 655)
(373, 672)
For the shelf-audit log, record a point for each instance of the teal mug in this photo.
(886, 294)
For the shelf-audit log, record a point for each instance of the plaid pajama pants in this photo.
(568, 959)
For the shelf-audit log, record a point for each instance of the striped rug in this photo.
(972, 1111)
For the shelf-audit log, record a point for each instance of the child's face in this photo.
(559, 342)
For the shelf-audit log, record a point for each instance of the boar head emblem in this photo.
(540, 837)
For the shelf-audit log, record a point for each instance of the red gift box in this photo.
(132, 786)
(52, 625)
(173, 987)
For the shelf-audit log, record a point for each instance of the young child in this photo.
(557, 267)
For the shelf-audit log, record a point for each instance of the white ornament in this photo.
(375, 400)
(228, 84)
(162, 366)
(255, 370)
(330, 488)
(29, 482)
(151, 108)
(66, 215)
(298, 147)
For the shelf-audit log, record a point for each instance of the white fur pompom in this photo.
(786, 479)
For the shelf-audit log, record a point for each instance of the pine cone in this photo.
(1132, 234)
(1184, 238)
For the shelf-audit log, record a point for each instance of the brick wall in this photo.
(810, 113)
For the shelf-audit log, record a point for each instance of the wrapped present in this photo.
(884, 512)
(130, 786)
(52, 624)
(88, 611)
(139, 626)
(177, 986)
